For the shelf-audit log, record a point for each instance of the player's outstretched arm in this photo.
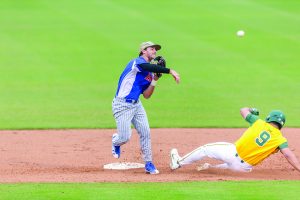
(160, 69)
(291, 158)
(244, 112)
(175, 75)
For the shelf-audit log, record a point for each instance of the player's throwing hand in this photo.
(175, 75)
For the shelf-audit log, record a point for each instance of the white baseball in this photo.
(240, 33)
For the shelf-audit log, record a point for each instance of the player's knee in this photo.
(124, 138)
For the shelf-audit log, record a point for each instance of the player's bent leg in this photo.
(123, 114)
(140, 122)
(124, 130)
(195, 155)
(118, 139)
(123, 135)
(220, 151)
(227, 152)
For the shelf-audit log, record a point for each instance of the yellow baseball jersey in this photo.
(259, 141)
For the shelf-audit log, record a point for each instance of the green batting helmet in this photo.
(276, 116)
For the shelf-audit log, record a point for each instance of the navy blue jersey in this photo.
(134, 80)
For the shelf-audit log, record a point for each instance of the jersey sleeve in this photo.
(139, 61)
(251, 118)
(283, 145)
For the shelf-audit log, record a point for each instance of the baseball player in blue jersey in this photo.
(139, 77)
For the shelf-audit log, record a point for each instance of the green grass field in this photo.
(60, 62)
(230, 190)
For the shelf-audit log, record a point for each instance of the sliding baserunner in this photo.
(259, 141)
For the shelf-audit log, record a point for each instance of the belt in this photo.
(131, 101)
(237, 155)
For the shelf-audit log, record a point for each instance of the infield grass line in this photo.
(223, 190)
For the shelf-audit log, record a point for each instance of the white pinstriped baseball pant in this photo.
(126, 114)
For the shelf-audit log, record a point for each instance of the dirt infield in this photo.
(79, 156)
